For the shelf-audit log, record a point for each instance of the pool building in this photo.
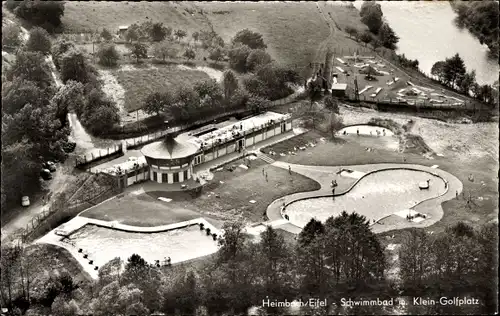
(172, 159)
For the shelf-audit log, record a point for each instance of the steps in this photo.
(265, 157)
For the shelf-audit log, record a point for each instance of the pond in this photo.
(376, 195)
(103, 244)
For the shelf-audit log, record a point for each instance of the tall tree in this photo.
(366, 38)
(388, 37)
(454, 69)
(314, 91)
(189, 54)
(158, 102)
(438, 70)
(257, 58)
(257, 104)
(108, 55)
(238, 56)
(180, 34)
(158, 32)
(230, 84)
(273, 263)
(139, 51)
(249, 38)
(106, 35)
(371, 15)
(46, 14)
(11, 36)
(232, 244)
(311, 231)
(216, 54)
(31, 66)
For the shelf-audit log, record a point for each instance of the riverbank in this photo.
(481, 19)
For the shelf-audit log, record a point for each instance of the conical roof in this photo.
(170, 148)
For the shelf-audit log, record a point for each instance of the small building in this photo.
(339, 89)
(122, 30)
(170, 160)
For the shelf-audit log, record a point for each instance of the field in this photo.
(86, 17)
(139, 83)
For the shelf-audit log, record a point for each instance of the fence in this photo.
(417, 105)
(63, 209)
(100, 155)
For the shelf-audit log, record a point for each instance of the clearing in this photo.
(138, 83)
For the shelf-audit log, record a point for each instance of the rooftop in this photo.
(186, 144)
(170, 149)
(339, 86)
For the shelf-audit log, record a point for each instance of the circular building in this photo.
(170, 160)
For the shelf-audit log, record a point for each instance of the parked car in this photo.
(25, 201)
(51, 166)
(45, 174)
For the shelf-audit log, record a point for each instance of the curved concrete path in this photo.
(325, 174)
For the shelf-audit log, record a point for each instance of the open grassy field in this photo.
(139, 83)
(85, 17)
(291, 31)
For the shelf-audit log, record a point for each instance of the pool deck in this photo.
(325, 174)
(56, 236)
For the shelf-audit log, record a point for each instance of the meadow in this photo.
(139, 83)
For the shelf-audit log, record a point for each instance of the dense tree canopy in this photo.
(249, 38)
(31, 66)
(388, 37)
(481, 18)
(11, 36)
(257, 58)
(46, 14)
(371, 15)
(108, 55)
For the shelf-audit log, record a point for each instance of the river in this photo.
(427, 32)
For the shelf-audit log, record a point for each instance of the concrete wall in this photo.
(249, 141)
(231, 148)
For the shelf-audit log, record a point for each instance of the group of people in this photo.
(357, 132)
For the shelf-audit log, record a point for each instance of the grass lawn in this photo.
(230, 199)
(139, 83)
(140, 210)
(219, 201)
(84, 17)
(291, 31)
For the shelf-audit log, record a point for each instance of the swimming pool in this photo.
(366, 130)
(103, 244)
(376, 195)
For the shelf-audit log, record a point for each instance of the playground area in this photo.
(378, 80)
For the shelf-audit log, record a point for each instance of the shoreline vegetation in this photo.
(481, 19)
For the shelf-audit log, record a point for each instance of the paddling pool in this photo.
(375, 196)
